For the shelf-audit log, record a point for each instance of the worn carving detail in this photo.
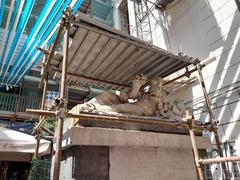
(151, 102)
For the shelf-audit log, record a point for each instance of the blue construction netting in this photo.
(9, 52)
(15, 65)
(2, 11)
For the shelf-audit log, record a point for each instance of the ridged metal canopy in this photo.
(100, 54)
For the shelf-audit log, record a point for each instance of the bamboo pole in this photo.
(183, 75)
(18, 101)
(37, 136)
(122, 119)
(51, 53)
(56, 172)
(38, 126)
(219, 160)
(47, 131)
(195, 151)
(212, 120)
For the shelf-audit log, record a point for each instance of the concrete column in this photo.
(116, 14)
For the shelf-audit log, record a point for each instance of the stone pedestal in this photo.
(98, 153)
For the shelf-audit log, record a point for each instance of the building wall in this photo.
(206, 29)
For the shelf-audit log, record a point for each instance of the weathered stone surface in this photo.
(116, 137)
(141, 163)
(85, 163)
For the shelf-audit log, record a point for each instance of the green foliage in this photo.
(40, 169)
(50, 123)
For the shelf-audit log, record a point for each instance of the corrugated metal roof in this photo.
(106, 54)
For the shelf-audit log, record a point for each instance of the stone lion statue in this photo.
(147, 99)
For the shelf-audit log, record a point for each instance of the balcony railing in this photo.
(16, 103)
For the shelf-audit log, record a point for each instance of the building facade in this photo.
(208, 30)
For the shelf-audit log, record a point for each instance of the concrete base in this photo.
(100, 154)
(128, 138)
(127, 163)
(85, 163)
(151, 164)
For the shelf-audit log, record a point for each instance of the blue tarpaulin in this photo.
(25, 127)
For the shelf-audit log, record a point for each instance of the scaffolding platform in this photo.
(105, 57)
(96, 55)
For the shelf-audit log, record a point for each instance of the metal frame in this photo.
(61, 112)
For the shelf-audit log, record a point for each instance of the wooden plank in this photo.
(102, 56)
(163, 65)
(123, 57)
(134, 126)
(167, 68)
(136, 55)
(76, 43)
(91, 57)
(140, 66)
(144, 120)
(76, 78)
(131, 71)
(82, 51)
(181, 66)
(111, 32)
(116, 52)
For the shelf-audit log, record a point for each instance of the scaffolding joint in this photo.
(61, 113)
(61, 108)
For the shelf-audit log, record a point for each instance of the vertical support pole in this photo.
(211, 117)
(37, 144)
(57, 162)
(37, 136)
(195, 151)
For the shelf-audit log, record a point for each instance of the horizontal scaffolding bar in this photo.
(219, 160)
(127, 119)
